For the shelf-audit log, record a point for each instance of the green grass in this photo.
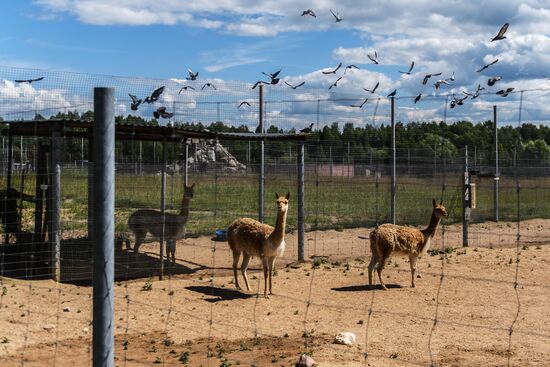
(335, 202)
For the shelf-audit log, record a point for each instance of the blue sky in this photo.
(235, 40)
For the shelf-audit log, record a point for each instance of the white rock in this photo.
(306, 361)
(345, 338)
(49, 327)
(67, 309)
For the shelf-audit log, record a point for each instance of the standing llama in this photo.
(414, 242)
(145, 221)
(252, 238)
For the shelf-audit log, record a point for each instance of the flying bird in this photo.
(476, 93)
(504, 92)
(373, 59)
(492, 81)
(244, 103)
(337, 16)
(349, 67)
(360, 105)
(428, 76)
(295, 86)
(486, 66)
(452, 78)
(258, 83)
(373, 89)
(334, 70)
(161, 112)
(154, 96)
(29, 80)
(500, 35)
(309, 12)
(392, 94)
(186, 88)
(135, 102)
(208, 85)
(457, 101)
(335, 84)
(440, 82)
(417, 98)
(410, 69)
(273, 77)
(307, 130)
(192, 75)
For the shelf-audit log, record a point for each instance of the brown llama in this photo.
(252, 238)
(389, 238)
(145, 221)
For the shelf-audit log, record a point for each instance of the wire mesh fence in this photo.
(483, 304)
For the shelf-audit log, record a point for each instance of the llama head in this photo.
(188, 191)
(282, 202)
(439, 209)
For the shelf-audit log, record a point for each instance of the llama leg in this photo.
(265, 267)
(244, 266)
(412, 260)
(372, 264)
(173, 251)
(379, 268)
(236, 256)
(271, 265)
(140, 237)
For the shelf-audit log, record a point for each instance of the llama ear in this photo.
(434, 203)
(287, 195)
(441, 202)
(276, 195)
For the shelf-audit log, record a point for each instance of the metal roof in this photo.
(83, 129)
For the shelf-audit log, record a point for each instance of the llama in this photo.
(252, 238)
(145, 221)
(414, 242)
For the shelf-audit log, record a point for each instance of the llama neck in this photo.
(278, 234)
(432, 227)
(185, 206)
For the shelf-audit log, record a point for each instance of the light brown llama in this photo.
(389, 238)
(252, 238)
(145, 221)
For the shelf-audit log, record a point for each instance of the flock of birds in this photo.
(274, 79)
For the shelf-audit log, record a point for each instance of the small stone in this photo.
(67, 309)
(305, 361)
(345, 338)
(49, 327)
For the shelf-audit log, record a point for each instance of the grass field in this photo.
(332, 203)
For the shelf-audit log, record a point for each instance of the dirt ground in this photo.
(463, 312)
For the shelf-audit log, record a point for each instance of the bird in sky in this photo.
(244, 103)
(492, 81)
(335, 84)
(500, 35)
(309, 12)
(440, 82)
(452, 78)
(154, 96)
(135, 102)
(373, 89)
(360, 105)
(272, 76)
(192, 75)
(208, 85)
(373, 59)
(307, 130)
(349, 67)
(504, 92)
(258, 83)
(29, 80)
(333, 71)
(186, 87)
(476, 93)
(295, 86)
(161, 112)
(337, 16)
(392, 94)
(410, 69)
(486, 66)
(417, 98)
(428, 76)
(457, 101)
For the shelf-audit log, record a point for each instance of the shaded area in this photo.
(219, 294)
(365, 287)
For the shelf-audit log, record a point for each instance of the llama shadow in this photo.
(365, 287)
(219, 294)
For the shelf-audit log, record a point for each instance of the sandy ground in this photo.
(460, 313)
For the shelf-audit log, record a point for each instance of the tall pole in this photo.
(301, 210)
(55, 223)
(104, 227)
(186, 164)
(262, 162)
(465, 199)
(497, 173)
(163, 210)
(394, 163)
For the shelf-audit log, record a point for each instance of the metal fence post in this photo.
(104, 228)
(394, 163)
(497, 173)
(301, 209)
(163, 210)
(262, 159)
(465, 199)
(56, 206)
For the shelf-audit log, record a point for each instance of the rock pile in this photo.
(210, 154)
